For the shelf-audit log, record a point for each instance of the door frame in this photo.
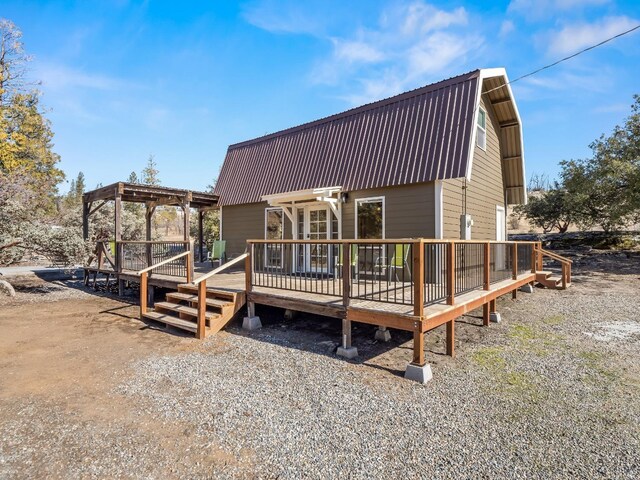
(306, 209)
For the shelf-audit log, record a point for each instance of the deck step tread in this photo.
(171, 320)
(189, 297)
(193, 288)
(175, 307)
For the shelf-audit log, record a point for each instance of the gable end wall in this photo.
(484, 191)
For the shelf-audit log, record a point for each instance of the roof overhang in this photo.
(494, 85)
(311, 194)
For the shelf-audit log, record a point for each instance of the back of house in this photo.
(441, 161)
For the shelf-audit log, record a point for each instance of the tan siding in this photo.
(484, 192)
(243, 222)
(409, 211)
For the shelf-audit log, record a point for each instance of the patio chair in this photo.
(353, 261)
(218, 252)
(399, 259)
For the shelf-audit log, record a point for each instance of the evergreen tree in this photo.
(150, 173)
(133, 178)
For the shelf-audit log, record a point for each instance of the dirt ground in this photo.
(65, 352)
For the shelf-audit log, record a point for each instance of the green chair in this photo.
(353, 260)
(399, 260)
(218, 252)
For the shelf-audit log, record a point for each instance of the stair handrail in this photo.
(555, 256)
(220, 268)
(565, 262)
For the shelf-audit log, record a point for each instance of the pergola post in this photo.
(200, 235)
(118, 238)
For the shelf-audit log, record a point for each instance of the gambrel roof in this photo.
(419, 136)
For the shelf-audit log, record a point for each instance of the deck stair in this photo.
(550, 280)
(180, 309)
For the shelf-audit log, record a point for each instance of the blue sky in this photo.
(183, 80)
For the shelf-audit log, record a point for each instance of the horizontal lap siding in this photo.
(245, 222)
(409, 211)
(484, 192)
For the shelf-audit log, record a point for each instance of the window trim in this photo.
(371, 200)
(266, 214)
(484, 129)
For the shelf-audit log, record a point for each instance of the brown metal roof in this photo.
(418, 136)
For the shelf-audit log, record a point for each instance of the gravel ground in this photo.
(551, 392)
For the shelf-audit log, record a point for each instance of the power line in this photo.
(566, 58)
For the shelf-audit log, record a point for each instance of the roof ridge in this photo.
(362, 108)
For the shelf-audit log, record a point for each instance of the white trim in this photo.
(500, 210)
(439, 209)
(484, 129)
(266, 213)
(370, 200)
(490, 73)
(308, 194)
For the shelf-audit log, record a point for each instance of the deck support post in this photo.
(493, 315)
(346, 350)
(200, 235)
(514, 267)
(251, 321)
(383, 334)
(418, 279)
(486, 282)
(418, 370)
(451, 338)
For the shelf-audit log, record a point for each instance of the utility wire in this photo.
(566, 58)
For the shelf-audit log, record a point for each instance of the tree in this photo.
(549, 210)
(13, 61)
(80, 185)
(133, 178)
(150, 173)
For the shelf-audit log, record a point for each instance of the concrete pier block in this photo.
(383, 335)
(251, 323)
(347, 352)
(495, 317)
(417, 373)
(526, 288)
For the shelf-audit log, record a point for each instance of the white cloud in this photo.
(292, 17)
(59, 77)
(545, 8)
(577, 36)
(506, 28)
(411, 45)
(356, 51)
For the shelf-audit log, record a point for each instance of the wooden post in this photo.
(540, 256)
(85, 220)
(200, 235)
(118, 238)
(564, 275)
(487, 266)
(346, 274)
(346, 333)
(418, 348)
(492, 305)
(148, 216)
(451, 273)
(186, 207)
(485, 315)
(190, 268)
(418, 278)
(202, 309)
(451, 337)
(143, 294)
(248, 279)
(514, 260)
(533, 258)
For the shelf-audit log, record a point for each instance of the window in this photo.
(273, 230)
(370, 217)
(481, 134)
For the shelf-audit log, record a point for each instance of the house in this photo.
(404, 167)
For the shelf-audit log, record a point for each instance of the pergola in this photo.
(152, 196)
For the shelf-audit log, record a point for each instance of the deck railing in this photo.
(414, 272)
